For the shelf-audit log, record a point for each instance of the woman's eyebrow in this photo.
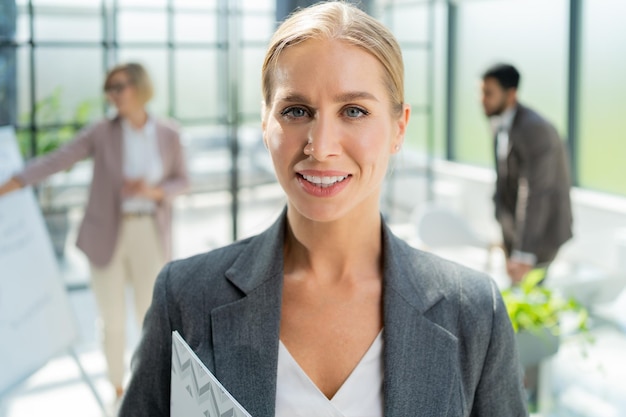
(354, 95)
(340, 98)
(293, 98)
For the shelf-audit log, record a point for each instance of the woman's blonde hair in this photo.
(336, 20)
(138, 77)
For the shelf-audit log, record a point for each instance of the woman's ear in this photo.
(264, 123)
(402, 122)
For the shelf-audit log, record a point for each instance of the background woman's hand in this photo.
(139, 188)
(11, 185)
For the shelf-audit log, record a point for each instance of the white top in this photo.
(361, 395)
(501, 125)
(142, 159)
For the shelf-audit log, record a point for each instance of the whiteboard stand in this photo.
(88, 381)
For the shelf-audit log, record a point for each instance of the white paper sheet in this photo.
(195, 391)
(36, 320)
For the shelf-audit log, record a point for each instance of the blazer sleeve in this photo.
(500, 389)
(537, 184)
(81, 147)
(177, 182)
(148, 393)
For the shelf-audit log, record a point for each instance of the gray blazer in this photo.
(449, 348)
(102, 141)
(532, 193)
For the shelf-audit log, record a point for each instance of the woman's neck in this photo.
(335, 250)
(136, 118)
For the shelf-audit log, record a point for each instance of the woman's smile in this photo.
(323, 183)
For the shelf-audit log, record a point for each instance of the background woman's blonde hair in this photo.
(138, 77)
(344, 22)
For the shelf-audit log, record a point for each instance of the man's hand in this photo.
(517, 270)
(139, 188)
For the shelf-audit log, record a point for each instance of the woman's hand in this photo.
(11, 185)
(139, 188)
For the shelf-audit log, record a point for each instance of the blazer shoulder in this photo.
(469, 299)
(464, 287)
(538, 134)
(210, 265)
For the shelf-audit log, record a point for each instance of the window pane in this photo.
(80, 3)
(155, 61)
(196, 85)
(416, 71)
(23, 85)
(66, 81)
(199, 27)
(142, 27)
(196, 4)
(416, 132)
(409, 22)
(530, 34)
(143, 3)
(258, 5)
(257, 27)
(251, 97)
(68, 28)
(602, 151)
(22, 30)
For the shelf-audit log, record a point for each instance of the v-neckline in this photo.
(374, 351)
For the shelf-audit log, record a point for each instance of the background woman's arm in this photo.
(11, 185)
(63, 158)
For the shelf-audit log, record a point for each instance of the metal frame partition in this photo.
(228, 48)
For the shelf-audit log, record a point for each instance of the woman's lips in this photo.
(323, 183)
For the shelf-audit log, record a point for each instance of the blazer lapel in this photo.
(246, 332)
(116, 162)
(165, 151)
(419, 355)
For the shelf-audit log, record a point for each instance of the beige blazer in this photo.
(102, 141)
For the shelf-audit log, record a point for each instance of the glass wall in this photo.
(204, 58)
(602, 144)
(190, 46)
(530, 34)
(420, 27)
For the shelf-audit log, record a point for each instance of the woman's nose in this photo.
(324, 139)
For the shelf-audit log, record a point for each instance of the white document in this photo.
(195, 391)
(36, 321)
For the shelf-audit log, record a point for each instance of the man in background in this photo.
(532, 188)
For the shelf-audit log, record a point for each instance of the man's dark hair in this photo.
(505, 74)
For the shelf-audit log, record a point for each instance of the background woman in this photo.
(138, 167)
(327, 312)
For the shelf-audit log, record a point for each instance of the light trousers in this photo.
(137, 259)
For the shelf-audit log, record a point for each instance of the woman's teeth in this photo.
(324, 181)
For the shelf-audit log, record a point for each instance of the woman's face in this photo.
(122, 94)
(330, 129)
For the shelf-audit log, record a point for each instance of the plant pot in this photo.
(57, 223)
(534, 347)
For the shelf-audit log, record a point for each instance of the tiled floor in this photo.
(577, 385)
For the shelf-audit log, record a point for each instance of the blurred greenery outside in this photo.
(49, 111)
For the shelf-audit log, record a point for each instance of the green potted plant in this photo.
(49, 111)
(535, 311)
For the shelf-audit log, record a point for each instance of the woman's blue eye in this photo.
(295, 112)
(355, 112)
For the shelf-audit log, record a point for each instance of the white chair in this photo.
(438, 227)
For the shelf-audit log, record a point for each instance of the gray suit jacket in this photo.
(102, 141)
(449, 348)
(533, 191)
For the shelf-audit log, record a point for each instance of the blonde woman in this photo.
(327, 313)
(138, 168)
